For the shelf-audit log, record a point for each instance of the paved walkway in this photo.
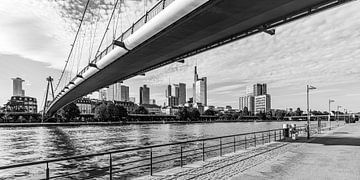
(335, 155)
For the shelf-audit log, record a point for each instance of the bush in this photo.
(70, 112)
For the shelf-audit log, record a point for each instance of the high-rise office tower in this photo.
(144, 95)
(102, 94)
(262, 103)
(176, 94)
(175, 89)
(248, 102)
(264, 89)
(117, 92)
(260, 89)
(199, 89)
(182, 93)
(249, 90)
(17, 87)
(168, 91)
(124, 93)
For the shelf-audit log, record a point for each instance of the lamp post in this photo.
(308, 88)
(337, 115)
(330, 101)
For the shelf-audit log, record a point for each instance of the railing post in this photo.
(245, 142)
(234, 144)
(254, 139)
(47, 171)
(110, 167)
(203, 150)
(151, 162)
(220, 147)
(181, 156)
(146, 17)
(275, 135)
(263, 139)
(132, 28)
(269, 136)
(282, 131)
(163, 4)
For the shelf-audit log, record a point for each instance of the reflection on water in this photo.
(28, 144)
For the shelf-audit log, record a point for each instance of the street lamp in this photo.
(330, 101)
(337, 114)
(308, 88)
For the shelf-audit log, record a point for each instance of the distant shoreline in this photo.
(123, 123)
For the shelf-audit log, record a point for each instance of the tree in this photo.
(112, 112)
(183, 113)
(269, 115)
(298, 112)
(122, 112)
(261, 115)
(188, 113)
(280, 114)
(210, 112)
(245, 111)
(141, 110)
(194, 114)
(70, 112)
(235, 115)
(101, 112)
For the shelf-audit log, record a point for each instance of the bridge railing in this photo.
(156, 9)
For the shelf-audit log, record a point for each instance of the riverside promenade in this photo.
(333, 154)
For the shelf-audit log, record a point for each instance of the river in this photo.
(28, 144)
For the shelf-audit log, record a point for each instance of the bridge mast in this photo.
(49, 85)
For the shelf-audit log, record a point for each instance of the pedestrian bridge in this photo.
(175, 29)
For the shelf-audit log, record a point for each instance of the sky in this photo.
(322, 50)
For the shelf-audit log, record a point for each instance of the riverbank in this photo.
(123, 123)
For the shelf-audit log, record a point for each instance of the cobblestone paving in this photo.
(230, 166)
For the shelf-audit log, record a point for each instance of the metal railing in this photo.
(152, 158)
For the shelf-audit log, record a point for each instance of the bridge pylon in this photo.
(49, 87)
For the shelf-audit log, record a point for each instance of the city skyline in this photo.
(287, 62)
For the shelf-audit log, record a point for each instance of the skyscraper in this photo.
(144, 95)
(102, 94)
(17, 87)
(262, 103)
(168, 91)
(124, 93)
(249, 90)
(117, 92)
(176, 94)
(199, 89)
(182, 93)
(260, 89)
(248, 102)
(256, 99)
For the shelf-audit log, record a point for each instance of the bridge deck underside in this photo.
(213, 22)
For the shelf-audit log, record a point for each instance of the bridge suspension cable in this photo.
(72, 46)
(107, 27)
(93, 36)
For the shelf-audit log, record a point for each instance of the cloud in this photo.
(322, 50)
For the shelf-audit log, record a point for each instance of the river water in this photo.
(28, 144)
